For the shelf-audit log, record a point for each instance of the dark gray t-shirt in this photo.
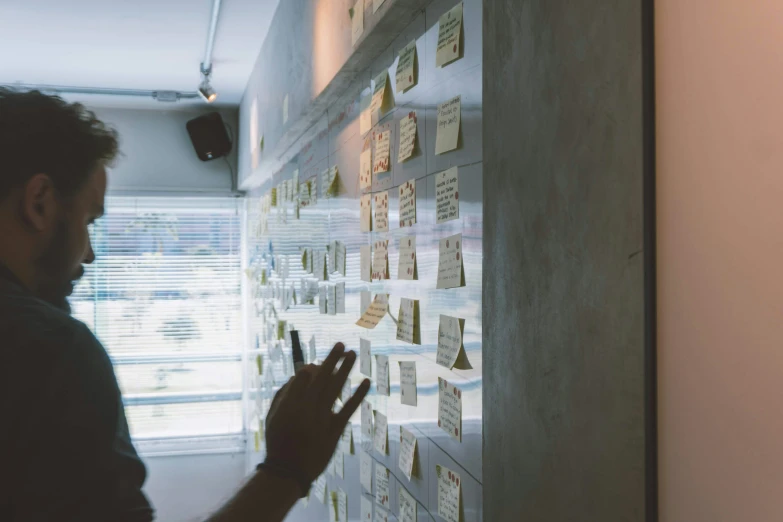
(65, 449)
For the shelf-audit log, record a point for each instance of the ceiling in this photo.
(131, 44)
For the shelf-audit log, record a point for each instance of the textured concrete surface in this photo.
(563, 287)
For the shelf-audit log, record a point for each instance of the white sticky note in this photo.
(406, 75)
(365, 471)
(365, 258)
(322, 300)
(382, 162)
(329, 183)
(382, 211)
(450, 409)
(319, 489)
(447, 195)
(408, 389)
(407, 505)
(367, 420)
(450, 335)
(407, 452)
(346, 440)
(340, 298)
(382, 380)
(450, 270)
(365, 357)
(408, 321)
(449, 492)
(449, 117)
(381, 102)
(285, 112)
(339, 462)
(365, 169)
(408, 131)
(449, 32)
(407, 199)
(381, 436)
(339, 254)
(365, 213)
(406, 267)
(375, 312)
(345, 395)
(376, 4)
(381, 515)
(380, 260)
(342, 506)
(365, 297)
(357, 21)
(319, 265)
(331, 300)
(381, 485)
(366, 514)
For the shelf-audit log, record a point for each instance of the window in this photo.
(164, 297)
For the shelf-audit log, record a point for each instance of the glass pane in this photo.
(185, 420)
(179, 377)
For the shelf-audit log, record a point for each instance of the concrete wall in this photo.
(720, 224)
(563, 288)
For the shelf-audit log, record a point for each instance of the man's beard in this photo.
(59, 276)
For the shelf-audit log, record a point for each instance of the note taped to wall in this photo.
(407, 505)
(322, 300)
(406, 267)
(382, 162)
(381, 436)
(449, 494)
(319, 265)
(380, 260)
(407, 199)
(447, 195)
(357, 21)
(408, 134)
(319, 489)
(451, 352)
(408, 329)
(381, 485)
(367, 420)
(339, 462)
(407, 452)
(365, 169)
(338, 252)
(449, 37)
(346, 441)
(331, 300)
(450, 409)
(365, 213)
(342, 506)
(340, 298)
(382, 370)
(449, 120)
(408, 390)
(365, 357)
(365, 258)
(381, 515)
(382, 211)
(365, 471)
(381, 96)
(451, 273)
(366, 513)
(407, 68)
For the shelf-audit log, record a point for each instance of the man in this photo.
(65, 450)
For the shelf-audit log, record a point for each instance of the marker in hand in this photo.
(296, 351)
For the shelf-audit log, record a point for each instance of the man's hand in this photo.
(302, 431)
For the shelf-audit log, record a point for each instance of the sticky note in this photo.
(319, 265)
(333, 506)
(338, 253)
(451, 351)
(407, 452)
(342, 506)
(357, 21)
(365, 213)
(450, 409)
(447, 195)
(365, 357)
(319, 489)
(449, 33)
(407, 200)
(380, 260)
(329, 182)
(408, 134)
(340, 298)
(322, 300)
(381, 98)
(382, 163)
(382, 211)
(381, 515)
(450, 270)
(407, 68)
(375, 312)
(408, 391)
(312, 350)
(449, 494)
(449, 116)
(307, 194)
(406, 267)
(339, 462)
(281, 329)
(407, 505)
(381, 436)
(367, 420)
(382, 379)
(365, 116)
(347, 439)
(365, 471)
(365, 299)
(381, 485)
(366, 514)
(365, 258)
(408, 329)
(273, 195)
(365, 169)
(285, 109)
(376, 4)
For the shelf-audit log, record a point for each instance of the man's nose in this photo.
(90, 257)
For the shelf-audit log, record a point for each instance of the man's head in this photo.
(53, 158)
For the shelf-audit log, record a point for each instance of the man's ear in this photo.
(39, 203)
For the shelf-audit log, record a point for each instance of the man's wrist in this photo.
(278, 468)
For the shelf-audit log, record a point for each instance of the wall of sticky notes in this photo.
(381, 250)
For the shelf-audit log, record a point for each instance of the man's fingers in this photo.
(300, 382)
(327, 368)
(335, 384)
(353, 404)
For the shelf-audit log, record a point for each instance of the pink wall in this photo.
(720, 259)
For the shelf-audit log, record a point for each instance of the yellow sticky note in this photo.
(406, 267)
(375, 312)
(408, 134)
(381, 102)
(260, 364)
(450, 408)
(365, 169)
(449, 120)
(407, 505)
(382, 211)
(449, 36)
(451, 352)
(381, 485)
(407, 68)
(451, 273)
(382, 163)
(407, 452)
(449, 494)
(365, 213)
(380, 260)
(408, 329)
(447, 195)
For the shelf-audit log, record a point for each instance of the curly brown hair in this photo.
(43, 134)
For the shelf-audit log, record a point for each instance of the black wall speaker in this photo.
(209, 136)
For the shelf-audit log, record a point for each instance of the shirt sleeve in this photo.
(75, 467)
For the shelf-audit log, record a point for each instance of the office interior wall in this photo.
(564, 276)
(720, 292)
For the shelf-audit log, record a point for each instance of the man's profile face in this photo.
(69, 246)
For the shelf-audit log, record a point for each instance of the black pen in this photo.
(296, 351)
